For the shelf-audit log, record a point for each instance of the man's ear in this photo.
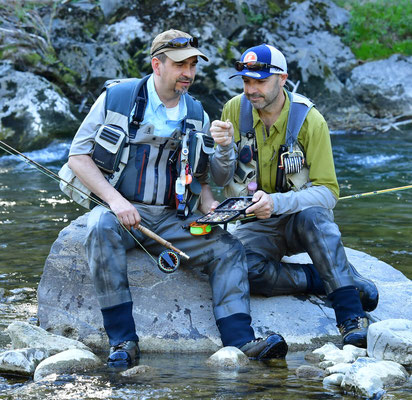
(283, 78)
(156, 65)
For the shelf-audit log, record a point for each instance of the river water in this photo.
(33, 211)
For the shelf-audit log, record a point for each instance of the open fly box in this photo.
(229, 210)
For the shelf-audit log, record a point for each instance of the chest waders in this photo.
(292, 172)
(143, 167)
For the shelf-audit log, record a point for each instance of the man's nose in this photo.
(188, 71)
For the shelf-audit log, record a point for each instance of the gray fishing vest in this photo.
(293, 179)
(149, 171)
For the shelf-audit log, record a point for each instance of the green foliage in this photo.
(32, 58)
(227, 52)
(252, 17)
(380, 28)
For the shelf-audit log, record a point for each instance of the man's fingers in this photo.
(220, 124)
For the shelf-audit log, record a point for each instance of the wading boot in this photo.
(274, 346)
(368, 292)
(354, 331)
(124, 354)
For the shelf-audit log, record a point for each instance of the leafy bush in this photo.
(379, 28)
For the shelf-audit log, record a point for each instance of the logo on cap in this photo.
(249, 57)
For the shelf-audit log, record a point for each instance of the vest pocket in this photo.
(133, 180)
(108, 147)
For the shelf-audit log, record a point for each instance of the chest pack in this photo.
(144, 167)
(292, 171)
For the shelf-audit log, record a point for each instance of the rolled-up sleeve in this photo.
(83, 141)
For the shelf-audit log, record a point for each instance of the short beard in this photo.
(181, 92)
(268, 99)
(185, 89)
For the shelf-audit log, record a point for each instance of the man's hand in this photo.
(125, 212)
(91, 176)
(207, 202)
(263, 207)
(222, 132)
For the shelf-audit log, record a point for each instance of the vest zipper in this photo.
(141, 172)
(170, 183)
(156, 170)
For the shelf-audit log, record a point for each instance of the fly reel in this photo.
(168, 261)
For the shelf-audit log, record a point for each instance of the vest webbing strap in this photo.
(194, 112)
(246, 117)
(296, 118)
(124, 94)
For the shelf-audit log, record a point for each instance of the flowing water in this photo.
(33, 211)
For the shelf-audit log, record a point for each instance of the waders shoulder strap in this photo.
(246, 118)
(299, 108)
(122, 96)
(194, 116)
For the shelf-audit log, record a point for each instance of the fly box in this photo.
(229, 210)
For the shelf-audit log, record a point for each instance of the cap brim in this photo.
(178, 55)
(253, 74)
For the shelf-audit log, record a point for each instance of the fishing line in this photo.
(52, 175)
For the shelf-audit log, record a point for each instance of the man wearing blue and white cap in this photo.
(275, 145)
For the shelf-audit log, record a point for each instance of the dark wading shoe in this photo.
(355, 331)
(124, 354)
(274, 346)
(368, 292)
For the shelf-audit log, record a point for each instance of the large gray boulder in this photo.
(32, 110)
(174, 312)
(384, 87)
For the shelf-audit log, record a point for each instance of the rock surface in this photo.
(31, 109)
(91, 42)
(174, 313)
(69, 361)
(391, 340)
(25, 335)
(22, 361)
(228, 357)
(369, 377)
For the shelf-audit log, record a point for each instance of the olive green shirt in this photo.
(313, 137)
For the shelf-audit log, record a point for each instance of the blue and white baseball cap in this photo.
(261, 61)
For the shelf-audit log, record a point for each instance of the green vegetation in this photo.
(378, 28)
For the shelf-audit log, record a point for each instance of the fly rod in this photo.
(11, 150)
(357, 196)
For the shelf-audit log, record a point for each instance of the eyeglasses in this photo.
(179, 43)
(254, 66)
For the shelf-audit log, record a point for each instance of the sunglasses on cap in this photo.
(254, 66)
(179, 43)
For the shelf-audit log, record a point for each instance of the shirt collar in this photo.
(155, 102)
(283, 117)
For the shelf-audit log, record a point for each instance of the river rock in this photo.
(173, 312)
(309, 372)
(23, 334)
(384, 87)
(137, 370)
(348, 354)
(67, 362)
(22, 361)
(391, 340)
(32, 110)
(228, 357)
(334, 379)
(369, 377)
